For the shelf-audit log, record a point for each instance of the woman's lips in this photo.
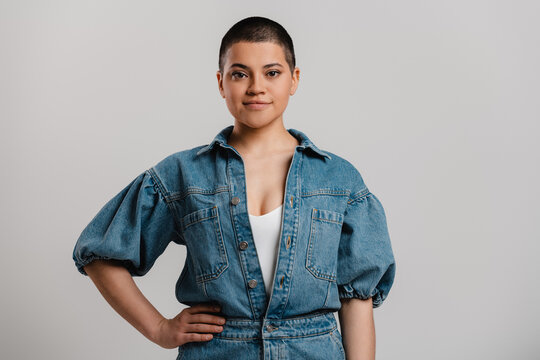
(257, 106)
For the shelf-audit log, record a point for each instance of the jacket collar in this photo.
(305, 142)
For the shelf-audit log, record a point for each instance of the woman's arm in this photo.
(119, 289)
(357, 328)
(192, 324)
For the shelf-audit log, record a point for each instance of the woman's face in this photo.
(257, 72)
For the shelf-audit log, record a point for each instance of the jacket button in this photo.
(270, 328)
(243, 245)
(235, 200)
(252, 283)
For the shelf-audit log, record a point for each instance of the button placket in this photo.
(244, 245)
(288, 244)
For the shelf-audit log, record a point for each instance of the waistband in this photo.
(300, 326)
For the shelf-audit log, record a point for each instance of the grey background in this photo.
(435, 102)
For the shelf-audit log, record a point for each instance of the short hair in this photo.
(258, 29)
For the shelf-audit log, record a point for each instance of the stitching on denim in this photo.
(157, 182)
(162, 191)
(302, 336)
(219, 234)
(309, 266)
(292, 249)
(327, 294)
(326, 191)
(277, 337)
(227, 338)
(360, 195)
(327, 215)
(338, 342)
(197, 219)
(241, 254)
(328, 220)
(216, 224)
(180, 195)
(290, 319)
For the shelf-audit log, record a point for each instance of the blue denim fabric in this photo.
(334, 244)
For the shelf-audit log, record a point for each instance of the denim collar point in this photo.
(305, 142)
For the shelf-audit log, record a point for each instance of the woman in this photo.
(279, 233)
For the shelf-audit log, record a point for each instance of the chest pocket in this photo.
(323, 244)
(204, 240)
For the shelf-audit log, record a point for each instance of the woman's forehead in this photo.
(255, 54)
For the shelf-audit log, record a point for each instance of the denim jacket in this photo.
(334, 241)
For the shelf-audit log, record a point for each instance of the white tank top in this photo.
(266, 229)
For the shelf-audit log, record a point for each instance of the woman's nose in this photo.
(256, 85)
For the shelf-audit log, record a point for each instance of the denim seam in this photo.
(309, 266)
(329, 220)
(292, 250)
(302, 336)
(327, 294)
(219, 236)
(198, 217)
(326, 191)
(163, 193)
(180, 195)
(358, 196)
(157, 182)
(290, 319)
(276, 337)
(239, 253)
(338, 342)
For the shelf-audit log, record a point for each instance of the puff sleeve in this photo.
(135, 227)
(366, 264)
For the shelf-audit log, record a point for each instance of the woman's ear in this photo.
(220, 83)
(295, 80)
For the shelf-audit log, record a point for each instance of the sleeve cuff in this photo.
(348, 292)
(87, 260)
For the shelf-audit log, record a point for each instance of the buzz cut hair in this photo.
(257, 29)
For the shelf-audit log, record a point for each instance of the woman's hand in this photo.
(191, 324)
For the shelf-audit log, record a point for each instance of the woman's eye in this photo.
(237, 74)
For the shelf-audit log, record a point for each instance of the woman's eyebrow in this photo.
(247, 67)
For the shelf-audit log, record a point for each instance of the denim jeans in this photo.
(334, 244)
(312, 337)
